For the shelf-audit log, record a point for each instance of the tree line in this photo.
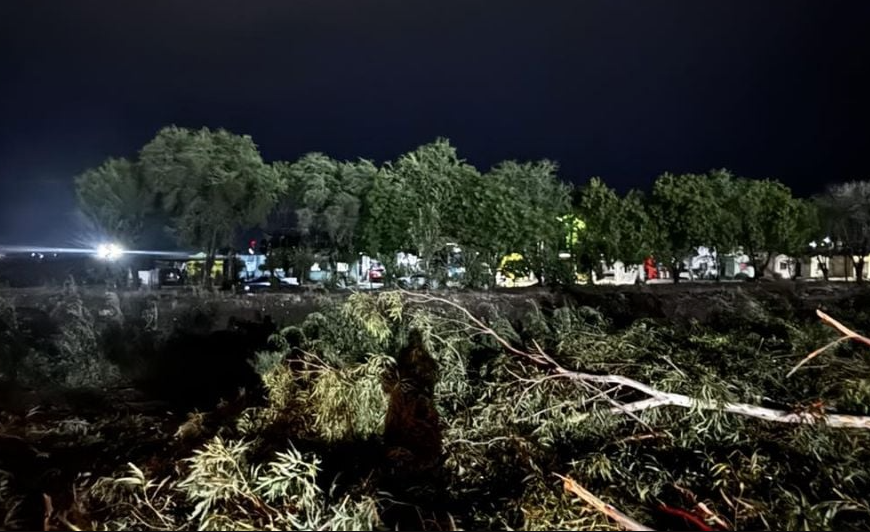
(204, 187)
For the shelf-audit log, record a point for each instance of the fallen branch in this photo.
(658, 398)
(49, 510)
(848, 334)
(623, 520)
(687, 516)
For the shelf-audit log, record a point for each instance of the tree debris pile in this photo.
(407, 410)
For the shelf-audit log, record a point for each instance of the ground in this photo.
(181, 371)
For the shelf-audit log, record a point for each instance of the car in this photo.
(415, 281)
(264, 283)
(171, 277)
(376, 273)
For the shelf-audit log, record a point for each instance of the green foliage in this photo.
(350, 403)
(686, 209)
(12, 346)
(637, 239)
(73, 358)
(211, 183)
(116, 198)
(10, 503)
(845, 210)
(327, 198)
(771, 220)
(600, 209)
(509, 425)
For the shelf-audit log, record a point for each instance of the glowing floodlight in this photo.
(109, 251)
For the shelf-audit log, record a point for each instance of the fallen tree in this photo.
(659, 398)
(657, 425)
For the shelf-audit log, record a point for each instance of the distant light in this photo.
(109, 252)
(826, 240)
(564, 255)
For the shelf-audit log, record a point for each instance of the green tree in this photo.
(771, 221)
(326, 200)
(388, 217)
(685, 210)
(724, 228)
(600, 208)
(637, 229)
(847, 210)
(526, 201)
(805, 228)
(416, 204)
(210, 183)
(116, 199)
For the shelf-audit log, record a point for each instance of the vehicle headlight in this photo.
(109, 251)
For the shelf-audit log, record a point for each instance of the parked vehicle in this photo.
(376, 273)
(170, 277)
(415, 281)
(265, 283)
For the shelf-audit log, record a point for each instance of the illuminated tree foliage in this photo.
(116, 198)
(207, 185)
(516, 404)
(210, 183)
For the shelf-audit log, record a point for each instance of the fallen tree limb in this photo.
(687, 516)
(623, 520)
(848, 334)
(658, 398)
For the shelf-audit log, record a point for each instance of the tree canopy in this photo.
(211, 183)
(116, 199)
(207, 185)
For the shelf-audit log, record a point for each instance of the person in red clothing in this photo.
(649, 266)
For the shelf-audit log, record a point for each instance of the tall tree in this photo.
(326, 200)
(416, 204)
(637, 229)
(685, 211)
(525, 202)
(847, 208)
(600, 208)
(770, 221)
(725, 221)
(116, 199)
(210, 183)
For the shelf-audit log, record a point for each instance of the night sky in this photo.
(620, 89)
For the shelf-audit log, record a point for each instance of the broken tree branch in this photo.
(623, 520)
(847, 334)
(657, 398)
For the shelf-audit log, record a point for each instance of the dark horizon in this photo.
(616, 89)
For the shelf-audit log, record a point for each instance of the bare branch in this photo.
(623, 520)
(847, 334)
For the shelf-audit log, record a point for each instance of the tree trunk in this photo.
(823, 265)
(209, 258)
(859, 270)
(719, 263)
(676, 268)
(766, 263)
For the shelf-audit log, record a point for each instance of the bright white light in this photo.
(826, 240)
(564, 255)
(109, 251)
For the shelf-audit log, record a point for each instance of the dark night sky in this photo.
(620, 89)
